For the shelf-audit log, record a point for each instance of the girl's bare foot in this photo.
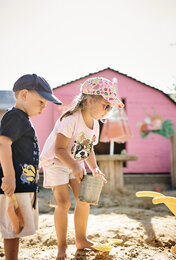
(62, 252)
(84, 243)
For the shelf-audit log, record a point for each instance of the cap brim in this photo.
(118, 103)
(50, 97)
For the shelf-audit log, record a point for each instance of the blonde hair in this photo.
(16, 93)
(79, 103)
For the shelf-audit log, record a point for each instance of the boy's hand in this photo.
(96, 172)
(8, 186)
(78, 172)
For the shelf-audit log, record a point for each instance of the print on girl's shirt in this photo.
(82, 147)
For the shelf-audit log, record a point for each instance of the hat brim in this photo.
(118, 103)
(50, 97)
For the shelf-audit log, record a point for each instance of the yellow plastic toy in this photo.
(170, 202)
(174, 250)
(152, 194)
(158, 198)
(108, 246)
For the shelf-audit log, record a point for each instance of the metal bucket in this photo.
(90, 189)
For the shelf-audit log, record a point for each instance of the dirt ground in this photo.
(148, 231)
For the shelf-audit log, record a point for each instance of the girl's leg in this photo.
(80, 218)
(60, 218)
(11, 247)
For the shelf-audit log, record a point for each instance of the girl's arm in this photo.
(92, 163)
(62, 154)
(8, 181)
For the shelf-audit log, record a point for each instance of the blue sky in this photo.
(65, 40)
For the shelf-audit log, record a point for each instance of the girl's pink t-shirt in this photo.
(82, 139)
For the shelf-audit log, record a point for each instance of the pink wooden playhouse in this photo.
(154, 151)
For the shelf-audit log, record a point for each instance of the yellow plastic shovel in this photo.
(108, 246)
(15, 214)
(170, 202)
(152, 194)
(174, 250)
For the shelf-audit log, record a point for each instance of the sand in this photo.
(148, 231)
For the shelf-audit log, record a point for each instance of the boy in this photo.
(19, 158)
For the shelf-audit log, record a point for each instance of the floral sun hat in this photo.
(103, 87)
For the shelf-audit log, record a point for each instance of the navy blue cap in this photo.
(39, 84)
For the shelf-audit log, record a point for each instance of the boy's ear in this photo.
(23, 93)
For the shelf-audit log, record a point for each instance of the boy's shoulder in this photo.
(14, 118)
(14, 124)
(15, 112)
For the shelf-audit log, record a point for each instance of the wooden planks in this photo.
(112, 167)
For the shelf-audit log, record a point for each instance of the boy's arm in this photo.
(9, 181)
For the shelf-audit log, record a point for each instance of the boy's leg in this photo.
(80, 218)
(25, 201)
(61, 193)
(11, 247)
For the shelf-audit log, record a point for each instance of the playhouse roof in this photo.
(108, 68)
(7, 99)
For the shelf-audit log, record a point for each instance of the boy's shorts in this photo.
(30, 215)
(55, 175)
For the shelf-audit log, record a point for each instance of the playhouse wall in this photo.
(43, 124)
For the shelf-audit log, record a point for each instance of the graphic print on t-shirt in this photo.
(29, 174)
(82, 147)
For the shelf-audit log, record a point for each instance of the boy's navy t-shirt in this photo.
(16, 125)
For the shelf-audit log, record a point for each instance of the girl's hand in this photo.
(96, 172)
(8, 186)
(78, 172)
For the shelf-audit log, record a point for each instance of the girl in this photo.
(68, 146)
